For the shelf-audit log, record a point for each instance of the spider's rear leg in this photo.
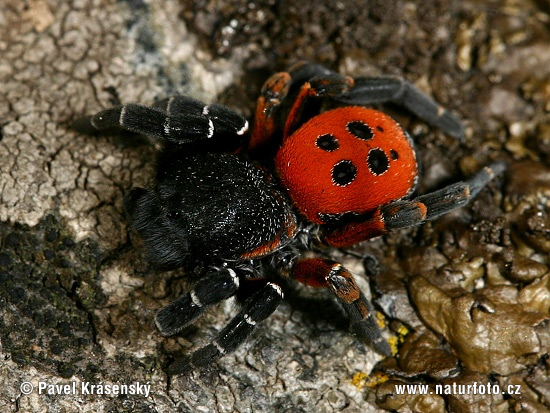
(256, 309)
(324, 273)
(177, 120)
(407, 213)
(459, 194)
(215, 286)
(432, 205)
(373, 90)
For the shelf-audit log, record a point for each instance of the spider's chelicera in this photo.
(318, 169)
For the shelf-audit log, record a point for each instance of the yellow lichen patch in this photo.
(381, 320)
(361, 380)
(402, 331)
(376, 379)
(394, 341)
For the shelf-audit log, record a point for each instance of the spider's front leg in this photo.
(314, 81)
(177, 120)
(256, 309)
(216, 285)
(324, 273)
(407, 213)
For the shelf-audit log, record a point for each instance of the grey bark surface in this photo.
(78, 298)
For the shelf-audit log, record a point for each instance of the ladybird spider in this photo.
(339, 175)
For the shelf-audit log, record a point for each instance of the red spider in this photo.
(341, 174)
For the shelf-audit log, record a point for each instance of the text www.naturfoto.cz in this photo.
(454, 388)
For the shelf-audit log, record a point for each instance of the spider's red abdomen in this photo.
(349, 159)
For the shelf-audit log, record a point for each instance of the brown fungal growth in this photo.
(487, 335)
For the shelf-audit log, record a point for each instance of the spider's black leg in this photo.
(372, 90)
(177, 120)
(221, 120)
(324, 273)
(256, 309)
(215, 286)
(406, 213)
(459, 194)
(131, 117)
(432, 205)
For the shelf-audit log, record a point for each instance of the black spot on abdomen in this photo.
(360, 130)
(377, 161)
(344, 172)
